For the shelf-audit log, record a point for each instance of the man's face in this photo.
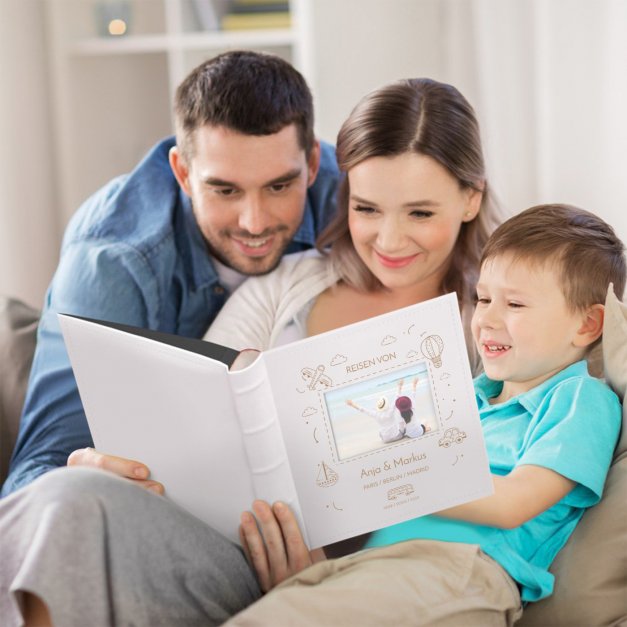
(248, 193)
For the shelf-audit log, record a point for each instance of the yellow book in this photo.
(247, 21)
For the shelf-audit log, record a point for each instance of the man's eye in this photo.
(279, 187)
(225, 191)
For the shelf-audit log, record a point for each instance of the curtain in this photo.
(550, 81)
(29, 224)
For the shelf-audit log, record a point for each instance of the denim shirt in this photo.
(133, 253)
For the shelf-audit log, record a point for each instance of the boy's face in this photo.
(522, 326)
(248, 193)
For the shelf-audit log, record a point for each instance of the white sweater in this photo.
(270, 310)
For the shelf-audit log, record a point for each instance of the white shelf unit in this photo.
(113, 95)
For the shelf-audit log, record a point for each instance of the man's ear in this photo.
(179, 168)
(591, 327)
(313, 163)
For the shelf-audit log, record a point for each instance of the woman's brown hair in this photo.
(425, 117)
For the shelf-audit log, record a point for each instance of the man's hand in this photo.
(127, 468)
(274, 545)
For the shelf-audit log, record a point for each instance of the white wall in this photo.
(27, 190)
(548, 81)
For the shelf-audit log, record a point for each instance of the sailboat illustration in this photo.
(326, 476)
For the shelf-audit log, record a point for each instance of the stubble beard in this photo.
(223, 249)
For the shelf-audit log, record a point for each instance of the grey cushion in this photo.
(591, 570)
(18, 328)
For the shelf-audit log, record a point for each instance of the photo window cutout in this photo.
(366, 416)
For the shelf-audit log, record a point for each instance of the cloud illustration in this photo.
(388, 339)
(338, 359)
(309, 411)
(412, 354)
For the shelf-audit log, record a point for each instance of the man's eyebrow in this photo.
(284, 178)
(218, 182)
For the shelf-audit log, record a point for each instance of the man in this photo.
(162, 247)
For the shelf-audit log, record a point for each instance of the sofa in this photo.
(590, 571)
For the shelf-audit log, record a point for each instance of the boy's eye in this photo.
(514, 305)
(482, 300)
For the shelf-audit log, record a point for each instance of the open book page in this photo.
(169, 408)
(362, 466)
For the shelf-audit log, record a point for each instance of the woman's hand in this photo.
(273, 543)
(127, 468)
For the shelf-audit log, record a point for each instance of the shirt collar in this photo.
(306, 233)
(486, 388)
(193, 247)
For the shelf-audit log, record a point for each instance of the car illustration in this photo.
(451, 436)
(401, 490)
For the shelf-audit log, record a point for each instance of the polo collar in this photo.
(487, 388)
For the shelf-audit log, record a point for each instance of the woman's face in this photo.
(404, 216)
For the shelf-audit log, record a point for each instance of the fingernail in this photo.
(155, 488)
(141, 472)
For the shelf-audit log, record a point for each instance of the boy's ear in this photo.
(592, 326)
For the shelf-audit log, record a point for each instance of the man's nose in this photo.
(253, 218)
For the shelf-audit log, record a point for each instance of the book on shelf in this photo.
(355, 429)
(258, 20)
(238, 8)
(207, 14)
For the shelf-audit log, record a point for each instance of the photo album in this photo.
(355, 429)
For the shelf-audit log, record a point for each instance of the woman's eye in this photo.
(364, 209)
(420, 213)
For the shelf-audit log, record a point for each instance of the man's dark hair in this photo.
(248, 92)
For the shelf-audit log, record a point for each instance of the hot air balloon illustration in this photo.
(432, 347)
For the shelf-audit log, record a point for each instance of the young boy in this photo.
(550, 431)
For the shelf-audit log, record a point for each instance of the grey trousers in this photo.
(101, 551)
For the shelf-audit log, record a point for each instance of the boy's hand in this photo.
(127, 468)
(273, 544)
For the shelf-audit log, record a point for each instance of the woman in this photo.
(414, 214)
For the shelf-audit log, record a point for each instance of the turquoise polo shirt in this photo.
(569, 424)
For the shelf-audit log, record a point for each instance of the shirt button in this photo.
(218, 289)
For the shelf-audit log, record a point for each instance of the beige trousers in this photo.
(420, 582)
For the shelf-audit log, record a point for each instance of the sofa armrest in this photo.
(18, 330)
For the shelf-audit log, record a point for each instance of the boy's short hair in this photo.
(583, 248)
(249, 92)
